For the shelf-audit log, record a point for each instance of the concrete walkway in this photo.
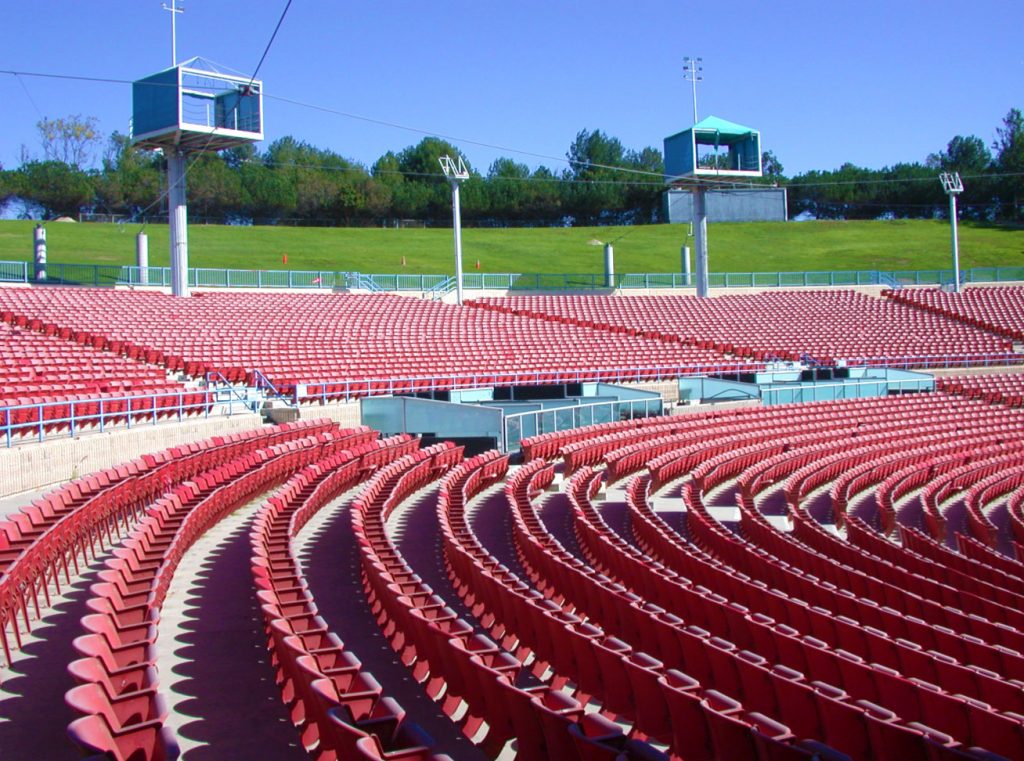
(33, 716)
(330, 557)
(215, 670)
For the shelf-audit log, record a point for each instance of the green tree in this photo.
(509, 189)
(266, 195)
(1009, 149)
(214, 189)
(597, 192)
(61, 189)
(970, 157)
(425, 192)
(130, 179)
(967, 155)
(771, 167)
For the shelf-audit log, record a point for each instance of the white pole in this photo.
(609, 265)
(39, 241)
(694, 81)
(174, 10)
(174, 34)
(956, 243)
(142, 257)
(457, 228)
(178, 222)
(700, 239)
(686, 265)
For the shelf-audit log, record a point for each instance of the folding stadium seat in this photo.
(844, 723)
(691, 735)
(121, 709)
(132, 679)
(891, 740)
(149, 740)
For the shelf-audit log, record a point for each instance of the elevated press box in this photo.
(724, 148)
(194, 106)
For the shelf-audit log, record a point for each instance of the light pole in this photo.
(455, 170)
(693, 71)
(175, 10)
(954, 186)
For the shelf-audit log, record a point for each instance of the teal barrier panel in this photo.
(14, 272)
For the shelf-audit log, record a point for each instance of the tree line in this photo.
(293, 182)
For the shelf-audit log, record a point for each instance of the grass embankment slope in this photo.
(760, 246)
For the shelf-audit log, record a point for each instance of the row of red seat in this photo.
(36, 362)
(875, 691)
(662, 668)
(333, 700)
(999, 309)
(827, 325)
(1005, 388)
(897, 611)
(463, 668)
(48, 536)
(775, 469)
(534, 626)
(959, 591)
(122, 711)
(302, 338)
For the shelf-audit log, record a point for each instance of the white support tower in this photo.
(700, 238)
(455, 170)
(178, 221)
(953, 186)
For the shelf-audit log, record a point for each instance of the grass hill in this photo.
(761, 246)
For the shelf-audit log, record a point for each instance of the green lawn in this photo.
(762, 247)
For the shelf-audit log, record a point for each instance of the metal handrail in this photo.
(354, 388)
(577, 418)
(101, 274)
(350, 388)
(103, 412)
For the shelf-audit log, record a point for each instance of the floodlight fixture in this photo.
(693, 71)
(174, 9)
(455, 170)
(953, 186)
(951, 183)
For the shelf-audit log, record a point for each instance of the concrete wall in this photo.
(669, 389)
(31, 466)
(345, 414)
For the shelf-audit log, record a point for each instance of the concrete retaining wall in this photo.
(32, 466)
(345, 414)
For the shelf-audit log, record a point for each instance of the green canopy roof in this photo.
(725, 132)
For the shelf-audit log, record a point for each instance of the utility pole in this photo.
(175, 10)
(693, 71)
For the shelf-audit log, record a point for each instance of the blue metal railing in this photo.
(70, 417)
(108, 275)
(323, 390)
(521, 425)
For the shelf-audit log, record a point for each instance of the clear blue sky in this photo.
(873, 83)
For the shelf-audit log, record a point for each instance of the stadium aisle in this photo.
(615, 512)
(329, 555)
(491, 520)
(214, 666)
(413, 528)
(33, 715)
